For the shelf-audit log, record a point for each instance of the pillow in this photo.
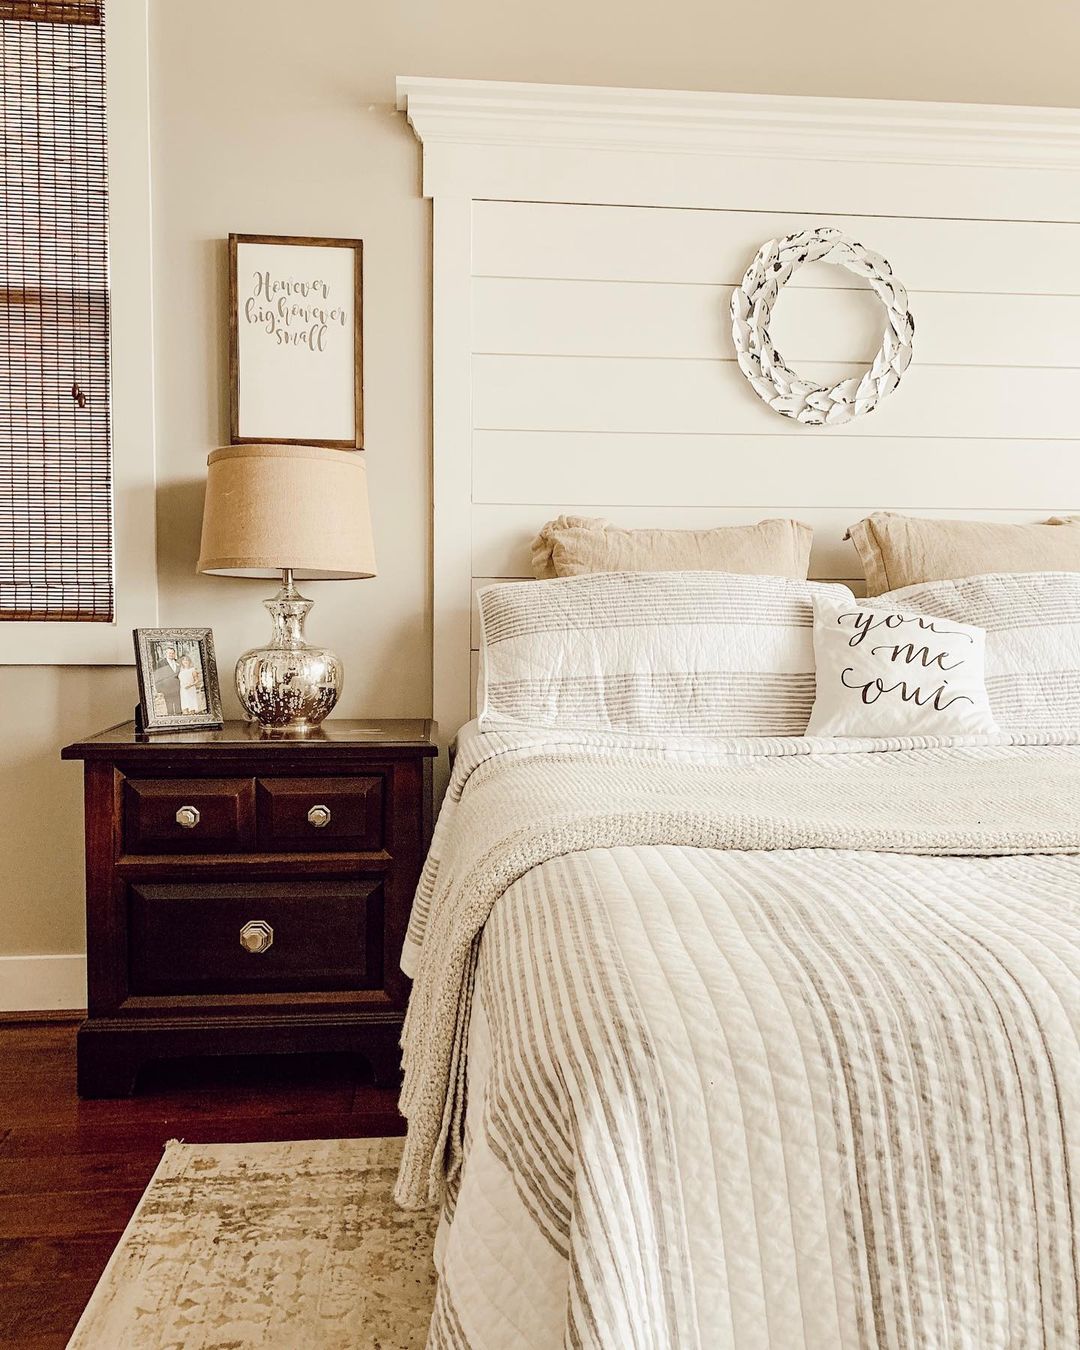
(905, 550)
(1032, 624)
(681, 653)
(574, 545)
(883, 671)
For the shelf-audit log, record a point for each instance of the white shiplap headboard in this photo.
(585, 245)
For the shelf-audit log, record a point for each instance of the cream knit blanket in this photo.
(520, 807)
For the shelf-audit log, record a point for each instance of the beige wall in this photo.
(277, 117)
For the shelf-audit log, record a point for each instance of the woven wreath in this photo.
(780, 387)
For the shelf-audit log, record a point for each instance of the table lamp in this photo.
(301, 513)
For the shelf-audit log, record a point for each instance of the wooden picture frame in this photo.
(169, 702)
(290, 382)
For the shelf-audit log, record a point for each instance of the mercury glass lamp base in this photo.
(288, 687)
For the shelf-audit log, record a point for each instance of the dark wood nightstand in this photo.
(249, 895)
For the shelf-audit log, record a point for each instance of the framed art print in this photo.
(178, 679)
(295, 340)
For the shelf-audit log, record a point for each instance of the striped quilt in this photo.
(766, 1044)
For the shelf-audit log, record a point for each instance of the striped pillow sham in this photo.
(654, 653)
(1032, 623)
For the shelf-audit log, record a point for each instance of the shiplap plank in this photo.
(518, 467)
(817, 188)
(609, 318)
(629, 243)
(614, 394)
(501, 535)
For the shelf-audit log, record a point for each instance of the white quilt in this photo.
(773, 1044)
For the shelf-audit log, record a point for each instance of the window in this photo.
(87, 484)
(56, 554)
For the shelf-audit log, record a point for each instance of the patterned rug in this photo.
(295, 1246)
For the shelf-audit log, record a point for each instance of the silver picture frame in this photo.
(178, 679)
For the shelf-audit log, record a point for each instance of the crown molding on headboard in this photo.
(481, 112)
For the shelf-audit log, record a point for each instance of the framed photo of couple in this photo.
(178, 680)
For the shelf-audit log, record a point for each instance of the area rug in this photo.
(297, 1246)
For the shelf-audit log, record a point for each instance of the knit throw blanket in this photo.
(517, 802)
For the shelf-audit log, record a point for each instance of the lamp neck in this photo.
(288, 610)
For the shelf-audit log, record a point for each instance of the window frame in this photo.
(59, 642)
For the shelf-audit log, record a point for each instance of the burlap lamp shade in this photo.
(276, 507)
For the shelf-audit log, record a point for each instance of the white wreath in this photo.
(762, 364)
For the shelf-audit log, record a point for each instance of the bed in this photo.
(744, 1040)
(727, 1034)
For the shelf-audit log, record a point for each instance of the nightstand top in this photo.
(339, 733)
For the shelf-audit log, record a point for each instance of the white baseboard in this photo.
(39, 983)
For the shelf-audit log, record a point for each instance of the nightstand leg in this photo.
(106, 1066)
(383, 1053)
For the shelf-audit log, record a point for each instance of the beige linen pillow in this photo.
(899, 551)
(572, 546)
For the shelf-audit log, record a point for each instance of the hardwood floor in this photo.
(71, 1171)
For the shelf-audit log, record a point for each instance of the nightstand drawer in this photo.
(324, 814)
(255, 937)
(189, 815)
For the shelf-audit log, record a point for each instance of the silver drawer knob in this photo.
(256, 936)
(319, 816)
(188, 817)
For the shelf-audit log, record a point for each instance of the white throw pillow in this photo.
(883, 671)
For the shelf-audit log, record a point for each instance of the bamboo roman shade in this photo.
(56, 555)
